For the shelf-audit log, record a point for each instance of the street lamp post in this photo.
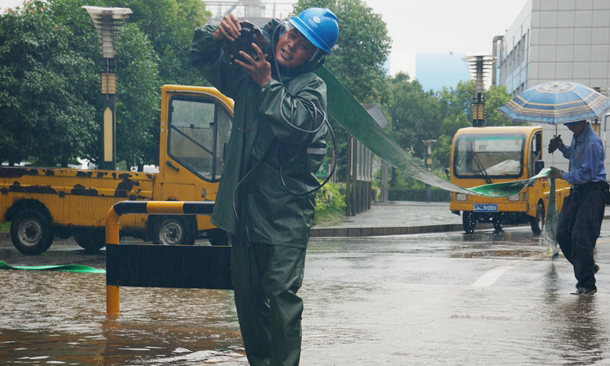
(479, 68)
(107, 21)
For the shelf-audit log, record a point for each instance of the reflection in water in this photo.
(60, 317)
(507, 245)
(577, 330)
(551, 278)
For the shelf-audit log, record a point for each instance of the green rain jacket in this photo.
(261, 145)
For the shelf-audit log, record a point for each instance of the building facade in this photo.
(563, 40)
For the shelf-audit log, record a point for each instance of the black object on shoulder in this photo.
(250, 33)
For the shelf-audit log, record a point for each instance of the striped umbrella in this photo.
(556, 102)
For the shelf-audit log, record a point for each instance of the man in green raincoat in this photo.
(265, 200)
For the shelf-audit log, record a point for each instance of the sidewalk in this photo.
(400, 218)
(395, 218)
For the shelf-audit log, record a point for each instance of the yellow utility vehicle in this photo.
(484, 155)
(43, 202)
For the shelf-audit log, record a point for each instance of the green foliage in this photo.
(418, 115)
(47, 85)
(331, 197)
(330, 204)
(139, 87)
(169, 26)
(420, 195)
(415, 114)
(495, 98)
(441, 153)
(50, 78)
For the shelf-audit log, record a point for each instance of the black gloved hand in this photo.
(555, 144)
(555, 173)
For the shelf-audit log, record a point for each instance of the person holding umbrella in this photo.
(583, 210)
(579, 224)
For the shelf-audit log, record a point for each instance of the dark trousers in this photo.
(578, 228)
(266, 279)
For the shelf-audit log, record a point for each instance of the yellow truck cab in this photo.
(484, 155)
(42, 203)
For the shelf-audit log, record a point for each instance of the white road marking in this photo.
(491, 276)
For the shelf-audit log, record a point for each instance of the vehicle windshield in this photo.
(489, 156)
(199, 130)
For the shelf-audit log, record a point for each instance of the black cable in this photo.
(315, 113)
(334, 166)
(243, 231)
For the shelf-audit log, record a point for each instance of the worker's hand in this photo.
(229, 28)
(260, 69)
(555, 144)
(555, 173)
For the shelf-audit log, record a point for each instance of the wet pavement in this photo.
(426, 299)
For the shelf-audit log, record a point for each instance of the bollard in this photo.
(113, 306)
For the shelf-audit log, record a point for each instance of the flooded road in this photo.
(432, 299)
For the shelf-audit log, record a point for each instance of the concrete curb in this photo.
(381, 231)
(330, 232)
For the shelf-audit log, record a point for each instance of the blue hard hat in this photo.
(320, 26)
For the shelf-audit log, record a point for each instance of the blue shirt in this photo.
(586, 155)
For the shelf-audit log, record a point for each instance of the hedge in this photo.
(405, 194)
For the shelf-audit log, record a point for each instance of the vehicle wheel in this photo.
(173, 230)
(537, 223)
(468, 222)
(31, 232)
(219, 237)
(90, 239)
(497, 224)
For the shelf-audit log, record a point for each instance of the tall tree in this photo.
(415, 114)
(47, 86)
(49, 77)
(138, 140)
(169, 24)
(495, 98)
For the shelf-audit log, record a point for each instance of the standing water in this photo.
(60, 318)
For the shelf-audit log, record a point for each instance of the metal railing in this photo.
(143, 207)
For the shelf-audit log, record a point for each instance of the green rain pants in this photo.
(266, 279)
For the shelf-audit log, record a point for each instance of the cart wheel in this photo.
(173, 230)
(468, 222)
(91, 240)
(537, 223)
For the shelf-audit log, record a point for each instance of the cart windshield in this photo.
(489, 156)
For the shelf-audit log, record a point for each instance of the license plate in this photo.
(485, 207)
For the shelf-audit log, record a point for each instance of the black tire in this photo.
(173, 230)
(498, 223)
(469, 222)
(90, 239)
(537, 223)
(31, 232)
(219, 237)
